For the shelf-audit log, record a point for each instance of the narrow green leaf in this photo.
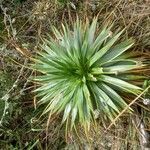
(102, 51)
(74, 115)
(120, 68)
(121, 84)
(116, 51)
(91, 31)
(113, 95)
(67, 112)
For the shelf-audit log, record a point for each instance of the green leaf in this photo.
(120, 103)
(53, 103)
(120, 68)
(119, 62)
(88, 108)
(116, 51)
(91, 31)
(80, 100)
(67, 111)
(97, 70)
(74, 115)
(105, 33)
(107, 99)
(121, 84)
(103, 50)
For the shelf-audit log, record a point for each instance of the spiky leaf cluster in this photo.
(84, 72)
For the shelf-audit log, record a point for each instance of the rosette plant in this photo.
(84, 70)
